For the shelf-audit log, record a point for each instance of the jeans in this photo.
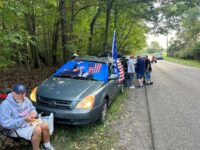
(130, 79)
(147, 76)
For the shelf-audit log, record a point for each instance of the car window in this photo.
(111, 69)
(84, 70)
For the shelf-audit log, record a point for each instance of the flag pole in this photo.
(114, 52)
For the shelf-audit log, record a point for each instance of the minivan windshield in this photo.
(83, 70)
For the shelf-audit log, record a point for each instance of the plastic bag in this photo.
(48, 119)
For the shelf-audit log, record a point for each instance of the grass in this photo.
(89, 137)
(193, 63)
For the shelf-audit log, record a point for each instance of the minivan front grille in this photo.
(43, 101)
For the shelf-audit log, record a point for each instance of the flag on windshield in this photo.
(95, 68)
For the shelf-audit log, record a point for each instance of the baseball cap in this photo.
(19, 88)
(75, 55)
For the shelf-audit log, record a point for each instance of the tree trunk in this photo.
(62, 7)
(72, 16)
(55, 42)
(92, 29)
(108, 10)
(31, 28)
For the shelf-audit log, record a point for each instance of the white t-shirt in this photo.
(131, 66)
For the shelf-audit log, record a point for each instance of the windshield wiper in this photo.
(91, 79)
(84, 78)
(74, 77)
(64, 76)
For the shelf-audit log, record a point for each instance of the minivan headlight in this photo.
(86, 103)
(33, 95)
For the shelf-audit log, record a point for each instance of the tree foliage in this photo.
(184, 17)
(39, 33)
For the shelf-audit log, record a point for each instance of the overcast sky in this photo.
(161, 39)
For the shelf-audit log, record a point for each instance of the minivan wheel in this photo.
(103, 113)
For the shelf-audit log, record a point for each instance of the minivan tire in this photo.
(103, 114)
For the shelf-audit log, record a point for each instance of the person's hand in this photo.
(76, 70)
(32, 114)
(29, 118)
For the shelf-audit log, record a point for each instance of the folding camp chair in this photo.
(4, 93)
(9, 142)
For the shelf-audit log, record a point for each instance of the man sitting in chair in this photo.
(18, 113)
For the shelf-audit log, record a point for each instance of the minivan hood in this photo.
(67, 88)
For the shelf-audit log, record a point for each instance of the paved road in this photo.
(133, 123)
(174, 104)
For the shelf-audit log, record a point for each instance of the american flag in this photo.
(117, 64)
(95, 69)
(121, 71)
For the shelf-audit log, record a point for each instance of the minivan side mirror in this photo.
(113, 77)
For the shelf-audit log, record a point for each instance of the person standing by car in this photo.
(131, 71)
(140, 70)
(148, 70)
(153, 59)
(18, 113)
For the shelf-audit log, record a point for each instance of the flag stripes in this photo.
(121, 71)
(96, 68)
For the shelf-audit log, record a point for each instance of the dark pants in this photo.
(130, 79)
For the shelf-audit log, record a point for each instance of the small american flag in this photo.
(121, 71)
(95, 69)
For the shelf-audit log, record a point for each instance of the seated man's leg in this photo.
(45, 132)
(46, 136)
(31, 133)
(36, 138)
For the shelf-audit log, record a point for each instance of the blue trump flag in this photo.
(114, 52)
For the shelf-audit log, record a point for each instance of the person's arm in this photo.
(33, 113)
(6, 118)
(148, 64)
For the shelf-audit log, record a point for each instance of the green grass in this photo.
(89, 137)
(193, 63)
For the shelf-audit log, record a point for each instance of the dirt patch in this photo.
(133, 123)
(31, 77)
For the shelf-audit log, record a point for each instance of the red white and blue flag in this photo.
(121, 71)
(118, 69)
(96, 68)
(114, 53)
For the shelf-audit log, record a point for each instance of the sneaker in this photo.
(132, 87)
(151, 82)
(48, 148)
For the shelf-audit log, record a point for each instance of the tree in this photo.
(62, 8)
(47, 32)
(92, 24)
(191, 24)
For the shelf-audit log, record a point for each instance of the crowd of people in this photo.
(141, 68)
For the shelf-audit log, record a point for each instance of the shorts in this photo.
(24, 132)
(140, 75)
